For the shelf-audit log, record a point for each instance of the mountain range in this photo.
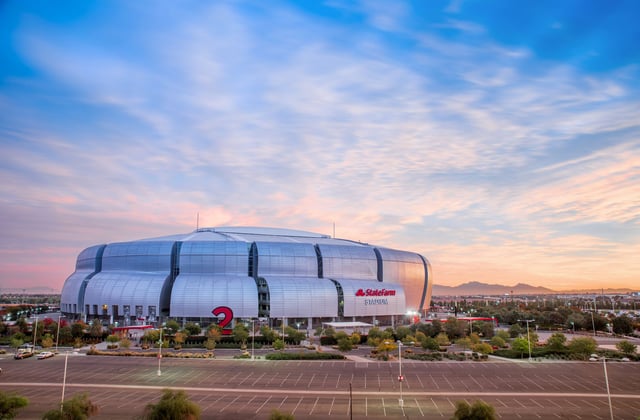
(478, 288)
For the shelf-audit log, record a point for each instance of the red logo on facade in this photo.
(375, 292)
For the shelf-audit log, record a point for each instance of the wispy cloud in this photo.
(437, 137)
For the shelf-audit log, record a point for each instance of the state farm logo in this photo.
(375, 292)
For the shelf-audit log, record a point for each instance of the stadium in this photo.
(222, 274)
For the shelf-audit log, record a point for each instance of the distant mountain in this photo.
(477, 288)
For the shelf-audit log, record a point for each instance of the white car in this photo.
(45, 355)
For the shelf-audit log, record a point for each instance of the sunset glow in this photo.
(501, 140)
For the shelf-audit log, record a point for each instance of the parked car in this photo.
(23, 354)
(45, 355)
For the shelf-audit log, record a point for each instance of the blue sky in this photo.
(499, 139)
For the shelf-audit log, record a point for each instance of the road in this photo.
(245, 389)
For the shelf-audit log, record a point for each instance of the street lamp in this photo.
(160, 351)
(58, 332)
(528, 336)
(253, 335)
(35, 330)
(64, 379)
(606, 380)
(593, 322)
(400, 377)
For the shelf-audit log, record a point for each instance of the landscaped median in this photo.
(277, 355)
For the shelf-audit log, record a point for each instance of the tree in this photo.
(65, 336)
(486, 328)
(192, 328)
(171, 327)
(17, 340)
(278, 344)
(269, 334)
(454, 328)
(480, 410)
(430, 343)
(47, 341)
(178, 340)
(277, 415)
(515, 330)
(77, 408)
(355, 338)
(556, 341)
(213, 336)
(464, 342)
(582, 346)
(402, 331)
(96, 328)
(504, 335)
(482, 348)
(240, 333)
(626, 347)
(386, 346)
(520, 345)
(172, 405)
(622, 325)
(113, 339)
(77, 329)
(442, 339)
(497, 341)
(345, 344)
(10, 404)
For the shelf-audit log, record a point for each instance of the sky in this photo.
(500, 139)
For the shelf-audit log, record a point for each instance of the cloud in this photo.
(462, 148)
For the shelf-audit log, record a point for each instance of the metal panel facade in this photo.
(145, 256)
(368, 298)
(406, 269)
(349, 261)
(214, 258)
(295, 297)
(287, 259)
(72, 296)
(197, 295)
(125, 288)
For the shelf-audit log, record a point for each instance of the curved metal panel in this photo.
(125, 288)
(287, 259)
(145, 256)
(346, 261)
(196, 295)
(294, 297)
(72, 296)
(408, 270)
(370, 297)
(215, 258)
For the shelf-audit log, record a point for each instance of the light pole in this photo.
(58, 332)
(528, 336)
(64, 379)
(400, 377)
(606, 380)
(35, 330)
(160, 352)
(593, 322)
(253, 335)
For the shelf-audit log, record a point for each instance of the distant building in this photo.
(230, 273)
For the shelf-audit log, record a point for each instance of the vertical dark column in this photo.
(379, 260)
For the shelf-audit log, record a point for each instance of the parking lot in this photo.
(223, 388)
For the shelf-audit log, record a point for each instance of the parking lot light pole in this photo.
(160, 352)
(606, 380)
(253, 335)
(58, 333)
(400, 378)
(35, 330)
(528, 336)
(64, 378)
